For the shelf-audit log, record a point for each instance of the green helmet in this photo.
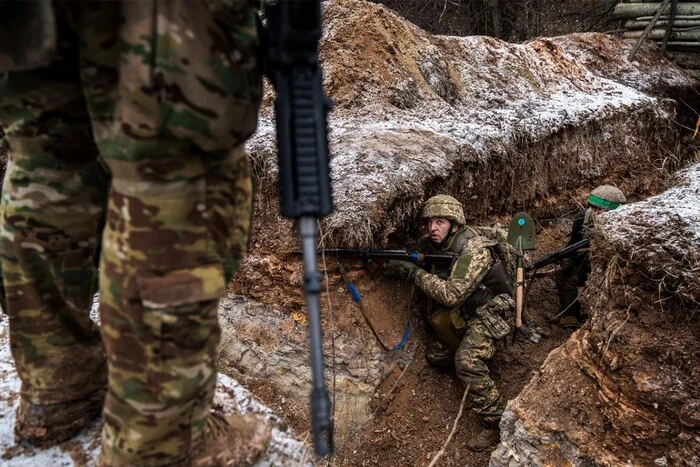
(444, 206)
(606, 197)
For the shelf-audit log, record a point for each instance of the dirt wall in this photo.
(625, 389)
(502, 126)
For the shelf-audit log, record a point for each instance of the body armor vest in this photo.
(495, 282)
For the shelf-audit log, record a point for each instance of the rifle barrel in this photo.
(401, 255)
(565, 252)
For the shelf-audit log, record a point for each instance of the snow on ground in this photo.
(83, 450)
(412, 108)
(661, 235)
(679, 203)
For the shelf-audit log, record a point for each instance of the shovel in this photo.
(521, 235)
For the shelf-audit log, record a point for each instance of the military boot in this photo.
(484, 438)
(45, 425)
(438, 355)
(232, 440)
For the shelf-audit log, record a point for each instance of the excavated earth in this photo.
(503, 127)
(624, 389)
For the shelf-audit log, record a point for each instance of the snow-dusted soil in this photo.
(625, 389)
(83, 450)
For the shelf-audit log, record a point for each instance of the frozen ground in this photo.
(82, 450)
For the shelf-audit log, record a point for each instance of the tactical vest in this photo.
(496, 281)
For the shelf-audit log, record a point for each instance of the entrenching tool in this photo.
(521, 235)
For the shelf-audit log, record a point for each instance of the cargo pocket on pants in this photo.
(181, 323)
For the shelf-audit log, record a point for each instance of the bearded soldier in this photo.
(573, 272)
(466, 306)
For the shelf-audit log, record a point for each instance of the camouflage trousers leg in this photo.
(470, 362)
(186, 99)
(52, 206)
(567, 290)
(161, 279)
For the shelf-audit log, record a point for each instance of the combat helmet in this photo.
(606, 197)
(444, 206)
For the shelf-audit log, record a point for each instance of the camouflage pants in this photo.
(469, 348)
(477, 347)
(567, 281)
(169, 91)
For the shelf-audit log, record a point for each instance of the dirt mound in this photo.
(503, 127)
(500, 125)
(626, 387)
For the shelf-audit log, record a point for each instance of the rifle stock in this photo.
(566, 252)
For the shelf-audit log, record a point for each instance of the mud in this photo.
(503, 127)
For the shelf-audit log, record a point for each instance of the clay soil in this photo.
(415, 405)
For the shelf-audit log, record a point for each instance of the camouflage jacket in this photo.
(452, 287)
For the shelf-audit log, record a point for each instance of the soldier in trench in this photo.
(466, 305)
(573, 272)
(137, 113)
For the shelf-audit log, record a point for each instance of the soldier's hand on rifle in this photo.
(401, 269)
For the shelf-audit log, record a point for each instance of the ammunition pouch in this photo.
(498, 280)
(490, 315)
(487, 302)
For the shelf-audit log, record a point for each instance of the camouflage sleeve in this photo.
(466, 275)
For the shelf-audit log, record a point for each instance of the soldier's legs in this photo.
(567, 291)
(52, 204)
(177, 222)
(476, 348)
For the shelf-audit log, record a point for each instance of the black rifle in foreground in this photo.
(566, 252)
(377, 254)
(301, 107)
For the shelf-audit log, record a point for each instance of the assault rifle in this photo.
(566, 252)
(301, 107)
(376, 254)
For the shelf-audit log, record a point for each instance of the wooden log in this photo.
(658, 34)
(634, 10)
(665, 17)
(643, 36)
(681, 46)
(677, 24)
(686, 60)
(669, 26)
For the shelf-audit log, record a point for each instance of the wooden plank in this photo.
(658, 34)
(633, 10)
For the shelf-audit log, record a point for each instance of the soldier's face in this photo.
(438, 228)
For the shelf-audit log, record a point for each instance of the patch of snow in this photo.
(284, 449)
(678, 206)
(460, 100)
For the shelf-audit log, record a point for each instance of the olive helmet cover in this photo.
(607, 197)
(444, 206)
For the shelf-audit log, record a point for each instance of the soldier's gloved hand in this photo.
(401, 269)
